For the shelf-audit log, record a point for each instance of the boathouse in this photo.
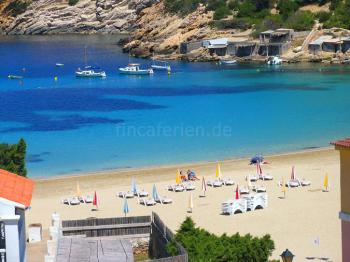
(187, 47)
(15, 198)
(275, 42)
(315, 47)
(216, 46)
(241, 48)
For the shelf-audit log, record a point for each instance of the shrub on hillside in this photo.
(12, 157)
(323, 16)
(221, 12)
(182, 7)
(246, 9)
(204, 246)
(16, 7)
(301, 20)
(73, 2)
(287, 8)
(270, 22)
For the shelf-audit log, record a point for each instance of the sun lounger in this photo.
(74, 201)
(253, 178)
(65, 201)
(147, 202)
(244, 190)
(259, 189)
(266, 177)
(176, 188)
(125, 194)
(305, 182)
(141, 193)
(164, 200)
(228, 181)
(88, 199)
(189, 186)
(215, 183)
(244, 204)
(293, 183)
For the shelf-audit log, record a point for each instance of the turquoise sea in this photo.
(200, 112)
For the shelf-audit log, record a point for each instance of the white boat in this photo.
(227, 62)
(59, 64)
(274, 60)
(89, 71)
(134, 69)
(161, 66)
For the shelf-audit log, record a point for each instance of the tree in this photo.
(12, 157)
(301, 20)
(287, 7)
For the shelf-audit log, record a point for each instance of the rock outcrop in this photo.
(87, 16)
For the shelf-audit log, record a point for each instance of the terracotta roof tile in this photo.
(16, 188)
(342, 143)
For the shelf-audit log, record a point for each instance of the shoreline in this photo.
(86, 175)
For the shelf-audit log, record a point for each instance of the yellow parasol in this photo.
(325, 183)
(218, 171)
(178, 177)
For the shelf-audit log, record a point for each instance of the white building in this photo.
(15, 198)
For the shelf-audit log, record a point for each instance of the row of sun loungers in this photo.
(244, 204)
(77, 200)
(221, 182)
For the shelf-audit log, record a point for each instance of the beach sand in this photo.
(293, 223)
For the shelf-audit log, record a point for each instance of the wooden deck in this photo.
(94, 250)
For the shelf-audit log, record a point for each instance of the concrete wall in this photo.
(12, 241)
(345, 228)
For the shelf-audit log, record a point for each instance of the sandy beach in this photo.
(295, 222)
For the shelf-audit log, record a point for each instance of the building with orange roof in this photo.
(15, 197)
(344, 148)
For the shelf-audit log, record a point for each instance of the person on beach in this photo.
(191, 175)
(182, 176)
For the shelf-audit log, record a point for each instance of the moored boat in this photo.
(274, 60)
(89, 71)
(134, 69)
(227, 62)
(14, 77)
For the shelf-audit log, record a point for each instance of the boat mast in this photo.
(85, 55)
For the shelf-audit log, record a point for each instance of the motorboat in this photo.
(89, 71)
(134, 69)
(14, 77)
(274, 60)
(161, 66)
(59, 64)
(227, 62)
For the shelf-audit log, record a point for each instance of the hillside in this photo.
(73, 16)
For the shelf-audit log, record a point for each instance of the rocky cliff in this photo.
(159, 32)
(86, 16)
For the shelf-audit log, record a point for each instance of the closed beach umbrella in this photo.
(249, 182)
(133, 186)
(178, 177)
(155, 192)
(218, 171)
(325, 183)
(283, 187)
(78, 194)
(126, 207)
(258, 169)
(293, 177)
(237, 192)
(204, 186)
(190, 203)
(95, 201)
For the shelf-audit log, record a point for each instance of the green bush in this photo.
(286, 8)
(73, 2)
(203, 246)
(270, 22)
(233, 4)
(301, 20)
(182, 7)
(235, 23)
(340, 18)
(16, 7)
(12, 157)
(212, 5)
(246, 9)
(221, 12)
(323, 16)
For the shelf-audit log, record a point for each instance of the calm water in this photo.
(199, 112)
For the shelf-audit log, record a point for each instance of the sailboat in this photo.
(134, 68)
(89, 71)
